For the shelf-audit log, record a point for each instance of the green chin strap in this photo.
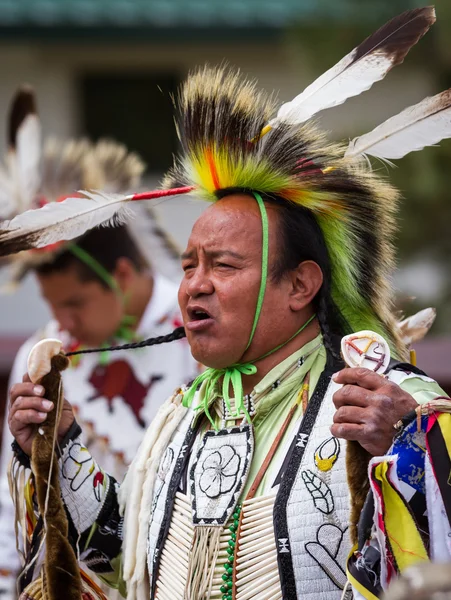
(232, 376)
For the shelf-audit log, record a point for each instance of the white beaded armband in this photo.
(84, 485)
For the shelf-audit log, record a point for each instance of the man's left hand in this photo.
(368, 406)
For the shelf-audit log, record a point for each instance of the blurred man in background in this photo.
(102, 291)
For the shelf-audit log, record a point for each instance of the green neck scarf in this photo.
(232, 375)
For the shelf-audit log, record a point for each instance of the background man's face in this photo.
(218, 294)
(90, 312)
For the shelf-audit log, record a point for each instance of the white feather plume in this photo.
(61, 221)
(8, 203)
(28, 156)
(22, 175)
(357, 71)
(415, 327)
(414, 128)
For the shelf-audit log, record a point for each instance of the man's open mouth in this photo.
(198, 314)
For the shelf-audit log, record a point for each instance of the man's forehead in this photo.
(64, 284)
(229, 216)
(215, 236)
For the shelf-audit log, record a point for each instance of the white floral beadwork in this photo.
(220, 470)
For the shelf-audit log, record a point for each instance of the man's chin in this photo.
(213, 357)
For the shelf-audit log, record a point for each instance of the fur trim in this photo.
(357, 461)
(61, 572)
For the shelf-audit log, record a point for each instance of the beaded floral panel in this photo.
(219, 473)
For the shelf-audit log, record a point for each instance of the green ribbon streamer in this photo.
(264, 277)
(125, 330)
(232, 376)
(288, 341)
(95, 266)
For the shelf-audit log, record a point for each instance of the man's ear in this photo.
(124, 273)
(306, 281)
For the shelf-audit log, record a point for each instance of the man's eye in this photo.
(76, 304)
(224, 265)
(187, 267)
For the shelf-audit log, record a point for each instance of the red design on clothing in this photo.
(117, 379)
(98, 478)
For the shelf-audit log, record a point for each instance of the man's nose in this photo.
(65, 319)
(199, 284)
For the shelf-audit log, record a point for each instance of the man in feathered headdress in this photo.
(243, 486)
(105, 288)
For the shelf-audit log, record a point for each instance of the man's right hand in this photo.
(28, 408)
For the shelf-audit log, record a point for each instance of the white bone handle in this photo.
(366, 349)
(39, 361)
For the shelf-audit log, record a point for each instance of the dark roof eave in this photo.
(137, 34)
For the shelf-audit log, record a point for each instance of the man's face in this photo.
(90, 312)
(219, 291)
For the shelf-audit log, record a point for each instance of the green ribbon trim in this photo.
(125, 330)
(232, 376)
(95, 266)
(306, 324)
(265, 253)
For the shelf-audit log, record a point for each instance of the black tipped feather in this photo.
(396, 37)
(23, 104)
(361, 68)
